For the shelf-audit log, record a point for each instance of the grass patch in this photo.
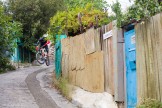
(62, 85)
(150, 103)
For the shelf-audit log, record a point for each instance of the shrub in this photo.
(150, 103)
(62, 85)
(5, 65)
(67, 21)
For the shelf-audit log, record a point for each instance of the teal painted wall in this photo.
(15, 57)
(60, 37)
(58, 55)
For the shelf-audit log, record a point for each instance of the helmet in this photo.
(45, 35)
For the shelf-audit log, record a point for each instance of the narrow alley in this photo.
(22, 89)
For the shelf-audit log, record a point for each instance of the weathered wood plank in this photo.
(141, 62)
(108, 61)
(110, 65)
(147, 55)
(160, 51)
(94, 77)
(115, 65)
(85, 71)
(118, 64)
(89, 41)
(82, 53)
(157, 52)
(72, 77)
(147, 78)
(110, 58)
(152, 82)
(101, 36)
(106, 66)
(97, 39)
(65, 43)
(138, 58)
(71, 61)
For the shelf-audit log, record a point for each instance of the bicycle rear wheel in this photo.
(47, 61)
(40, 58)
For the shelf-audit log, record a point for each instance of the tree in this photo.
(34, 16)
(9, 31)
(140, 10)
(116, 8)
(98, 4)
(90, 14)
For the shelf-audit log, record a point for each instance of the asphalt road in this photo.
(21, 89)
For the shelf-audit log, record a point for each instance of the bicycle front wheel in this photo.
(40, 58)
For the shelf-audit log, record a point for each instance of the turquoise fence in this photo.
(20, 54)
(16, 54)
(58, 55)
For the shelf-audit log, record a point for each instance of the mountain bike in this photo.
(41, 55)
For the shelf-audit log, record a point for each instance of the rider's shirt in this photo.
(42, 41)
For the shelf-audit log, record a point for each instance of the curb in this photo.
(42, 98)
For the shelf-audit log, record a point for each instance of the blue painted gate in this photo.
(131, 77)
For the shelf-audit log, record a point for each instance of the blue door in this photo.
(130, 53)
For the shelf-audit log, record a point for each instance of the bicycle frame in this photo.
(43, 54)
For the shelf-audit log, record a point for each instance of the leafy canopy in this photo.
(9, 32)
(98, 4)
(141, 9)
(34, 16)
(67, 21)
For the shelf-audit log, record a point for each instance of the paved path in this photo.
(42, 98)
(16, 92)
(45, 79)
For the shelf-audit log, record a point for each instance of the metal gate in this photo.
(131, 77)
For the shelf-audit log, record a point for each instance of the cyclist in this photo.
(43, 42)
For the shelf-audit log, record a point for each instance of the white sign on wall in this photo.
(133, 39)
(107, 35)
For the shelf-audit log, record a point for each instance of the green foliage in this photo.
(146, 8)
(9, 31)
(141, 9)
(5, 65)
(34, 16)
(150, 103)
(98, 4)
(116, 8)
(68, 20)
(62, 85)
